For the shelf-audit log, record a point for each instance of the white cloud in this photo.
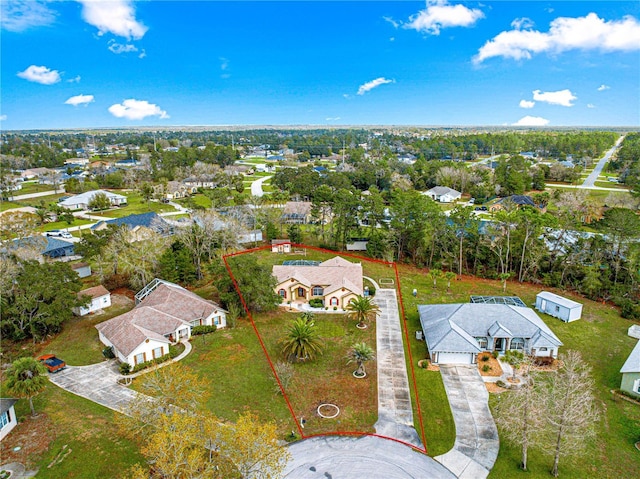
(143, 53)
(561, 97)
(136, 110)
(114, 16)
(527, 104)
(3, 117)
(393, 22)
(41, 74)
(603, 87)
(75, 80)
(590, 105)
(520, 23)
(119, 48)
(370, 85)
(224, 63)
(20, 15)
(582, 33)
(440, 14)
(531, 121)
(79, 100)
(332, 118)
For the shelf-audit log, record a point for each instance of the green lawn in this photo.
(63, 225)
(98, 450)
(197, 200)
(40, 200)
(33, 187)
(78, 343)
(135, 205)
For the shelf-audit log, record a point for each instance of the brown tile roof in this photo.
(94, 292)
(79, 265)
(332, 274)
(297, 208)
(164, 310)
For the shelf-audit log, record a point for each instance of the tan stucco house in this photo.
(336, 282)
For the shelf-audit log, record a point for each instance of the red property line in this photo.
(264, 348)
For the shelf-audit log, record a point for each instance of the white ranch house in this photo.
(81, 201)
(443, 194)
(165, 315)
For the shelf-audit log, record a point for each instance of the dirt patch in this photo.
(33, 435)
(122, 300)
(486, 359)
(129, 293)
(494, 388)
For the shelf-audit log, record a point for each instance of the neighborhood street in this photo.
(590, 180)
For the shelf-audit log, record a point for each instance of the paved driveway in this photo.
(367, 457)
(395, 415)
(477, 444)
(97, 382)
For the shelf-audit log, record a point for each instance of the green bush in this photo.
(495, 354)
(484, 357)
(628, 309)
(125, 368)
(316, 303)
(486, 368)
(108, 352)
(204, 329)
(372, 291)
(502, 384)
(335, 308)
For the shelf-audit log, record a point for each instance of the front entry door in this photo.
(499, 344)
(301, 293)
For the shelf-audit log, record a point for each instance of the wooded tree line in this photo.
(627, 163)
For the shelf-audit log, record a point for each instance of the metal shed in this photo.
(558, 306)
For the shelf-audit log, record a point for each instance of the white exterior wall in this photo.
(121, 357)
(98, 303)
(13, 422)
(147, 348)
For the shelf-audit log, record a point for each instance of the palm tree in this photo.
(434, 274)
(302, 341)
(360, 353)
(25, 378)
(361, 309)
(449, 275)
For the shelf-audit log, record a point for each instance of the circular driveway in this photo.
(343, 457)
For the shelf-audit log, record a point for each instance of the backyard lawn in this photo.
(135, 205)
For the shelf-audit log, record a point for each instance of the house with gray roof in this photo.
(140, 226)
(443, 194)
(164, 316)
(457, 333)
(631, 373)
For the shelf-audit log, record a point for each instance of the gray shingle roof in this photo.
(560, 300)
(632, 364)
(443, 323)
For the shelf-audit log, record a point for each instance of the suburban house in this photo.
(174, 190)
(280, 246)
(76, 162)
(297, 212)
(45, 245)
(164, 315)
(204, 181)
(140, 226)
(8, 418)
(443, 194)
(631, 373)
(516, 200)
(81, 201)
(457, 333)
(82, 269)
(335, 281)
(558, 307)
(100, 299)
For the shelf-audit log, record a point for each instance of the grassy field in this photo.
(136, 205)
(67, 422)
(63, 225)
(29, 187)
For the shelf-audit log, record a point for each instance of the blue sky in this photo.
(85, 64)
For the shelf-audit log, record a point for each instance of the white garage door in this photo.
(454, 358)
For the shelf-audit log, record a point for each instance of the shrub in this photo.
(495, 354)
(628, 309)
(372, 291)
(316, 303)
(108, 352)
(543, 360)
(484, 357)
(125, 368)
(486, 368)
(502, 384)
(204, 329)
(335, 308)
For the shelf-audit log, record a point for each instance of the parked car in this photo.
(52, 363)
(59, 234)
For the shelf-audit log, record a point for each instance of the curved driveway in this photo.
(256, 186)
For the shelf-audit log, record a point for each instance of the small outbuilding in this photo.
(82, 269)
(100, 299)
(631, 373)
(8, 418)
(558, 306)
(280, 246)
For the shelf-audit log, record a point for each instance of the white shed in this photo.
(558, 306)
(100, 299)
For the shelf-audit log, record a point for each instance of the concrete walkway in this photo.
(98, 383)
(341, 457)
(395, 415)
(477, 444)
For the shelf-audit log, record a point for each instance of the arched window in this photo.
(482, 342)
(517, 343)
(333, 301)
(283, 293)
(317, 291)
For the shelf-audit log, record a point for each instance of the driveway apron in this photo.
(477, 444)
(97, 382)
(395, 415)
